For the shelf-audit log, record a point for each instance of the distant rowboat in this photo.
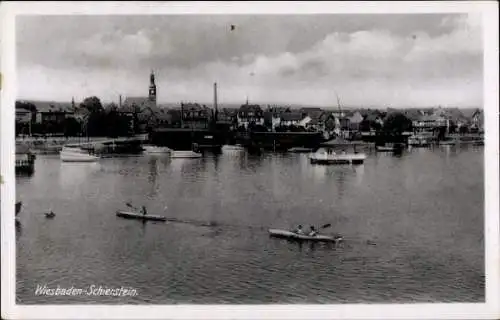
(139, 216)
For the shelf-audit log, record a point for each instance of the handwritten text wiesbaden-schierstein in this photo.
(92, 290)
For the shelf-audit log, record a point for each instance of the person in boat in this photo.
(144, 211)
(313, 232)
(299, 230)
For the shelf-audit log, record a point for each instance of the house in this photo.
(153, 117)
(250, 114)
(52, 112)
(429, 122)
(477, 121)
(175, 118)
(355, 120)
(23, 116)
(272, 120)
(195, 116)
(290, 118)
(132, 107)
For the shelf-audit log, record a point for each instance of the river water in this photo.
(413, 228)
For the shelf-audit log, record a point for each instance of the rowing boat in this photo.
(133, 215)
(278, 233)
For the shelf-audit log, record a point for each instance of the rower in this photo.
(313, 232)
(144, 211)
(299, 230)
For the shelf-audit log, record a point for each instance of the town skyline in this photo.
(395, 61)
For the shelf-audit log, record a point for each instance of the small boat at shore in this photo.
(232, 147)
(324, 156)
(76, 154)
(418, 141)
(279, 233)
(300, 150)
(385, 149)
(140, 216)
(150, 149)
(185, 154)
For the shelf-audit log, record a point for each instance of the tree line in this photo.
(95, 121)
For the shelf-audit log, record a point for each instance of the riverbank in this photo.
(53, 145)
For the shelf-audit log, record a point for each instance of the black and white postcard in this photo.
(234, 160)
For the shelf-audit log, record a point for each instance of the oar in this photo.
(131, 206)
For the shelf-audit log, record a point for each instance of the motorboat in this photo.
(325, 156)
(76, 154)
(185, 154)
(156, 149)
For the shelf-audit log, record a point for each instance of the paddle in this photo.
(328, 225)
(129, 205)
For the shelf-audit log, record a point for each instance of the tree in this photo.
(92, 104)
(25, 105)
(397, 123)
(71, 127)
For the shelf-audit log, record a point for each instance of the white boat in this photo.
(385, 149)
(300, 149)
(184, 154)
(388, 148)
(230, 147)
(418, 141)
(324, 156)
(76, 154)
(448, 142)
(155, 149)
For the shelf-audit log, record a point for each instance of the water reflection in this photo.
(152, 177)
(71, 174)
(413, 206)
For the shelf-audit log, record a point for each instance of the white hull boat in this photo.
(76, 154)
(300, 150)
(228, 147)
(324, 157)
(156, 149)
(448, 142)
(385, 149)
(185, 154)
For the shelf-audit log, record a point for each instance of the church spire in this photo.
(152, 87)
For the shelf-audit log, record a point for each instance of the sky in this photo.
(366, 60)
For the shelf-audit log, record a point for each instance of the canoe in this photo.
(133, 215)
(278, 233)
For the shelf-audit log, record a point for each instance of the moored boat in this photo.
(418, 141)
(231, 147)
(76, 154)
(156, 150)
(140, 216)
(385, 149)
(324, 156)
(448, 142)
(300, 149)
(279, 233)
(185, 154)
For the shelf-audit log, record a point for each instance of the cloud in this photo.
(367, 59)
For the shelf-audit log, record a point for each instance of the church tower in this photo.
(152, 88)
